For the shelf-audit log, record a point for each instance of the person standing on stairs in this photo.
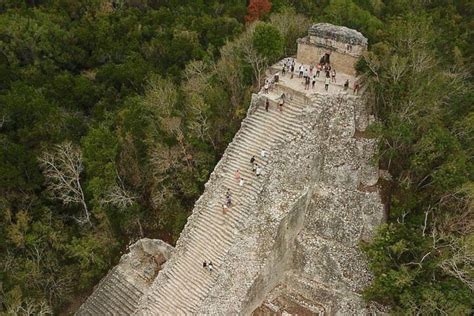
(326, 83)
(267, 105)
(241, 182)
(346, 85)
(318, 70)
(327, 68)
(263, 154)
(252, 160)
(292, 69)
(280, 105)
(228, 198)
(333, 75)
(313, 83)
(237, 175)
(225, 208)
(356, 88)
(276, 78)
(258, 171)
(210, 266)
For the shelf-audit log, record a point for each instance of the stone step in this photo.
(121, 305)
(200, 243)
(120, 292)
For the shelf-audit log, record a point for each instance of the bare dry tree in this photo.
(461, 263)
(199, 123)
(229, 73)
(197, 84)
(291, 25)
(3, 119)
(119, 197)
(197, 74)
(174, 126)
(161, 96)
(62, 167)
(29, 307)
(163, 159)
(54, 285)
(257, 62)
(158, 196)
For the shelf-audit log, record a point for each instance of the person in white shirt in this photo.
(225, 208)
(326, 83)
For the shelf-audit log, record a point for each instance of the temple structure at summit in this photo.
(344, 46)
(290, 241)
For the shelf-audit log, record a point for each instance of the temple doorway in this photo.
(325, 59)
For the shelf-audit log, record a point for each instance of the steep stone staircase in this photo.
(183, 284)
(115, 296)
(119, 292)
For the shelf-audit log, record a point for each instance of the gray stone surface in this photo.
(338, 33)
(308, 221)
(119, 292)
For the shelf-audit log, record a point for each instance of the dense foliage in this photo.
(423, 258)
(113, 114)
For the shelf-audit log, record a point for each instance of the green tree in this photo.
(268, 41)
(430, 208)
(348, 13)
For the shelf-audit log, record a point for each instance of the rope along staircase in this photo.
(183, 284)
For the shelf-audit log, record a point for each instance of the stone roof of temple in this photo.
(338, 33)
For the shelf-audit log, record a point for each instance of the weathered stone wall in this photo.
(310, 54)
(280, 258)
(334, 45)
(328, 271)
(345, 46)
